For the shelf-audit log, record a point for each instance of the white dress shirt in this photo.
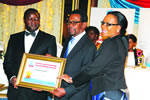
(75, 41)
(131, 59)
(29, 41)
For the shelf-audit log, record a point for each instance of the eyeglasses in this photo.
(107, 24)
(73, 22)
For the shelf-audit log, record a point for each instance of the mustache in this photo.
(70, 28)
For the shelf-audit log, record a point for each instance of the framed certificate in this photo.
(40, 72)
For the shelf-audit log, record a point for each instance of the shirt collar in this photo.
(78, 37)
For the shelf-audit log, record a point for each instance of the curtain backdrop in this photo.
(19, 2)
(142, 3)
(104, 4)
(133, 4)
(11, 18)
(126, 4)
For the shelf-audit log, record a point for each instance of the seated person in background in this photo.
(93, 33)
(133, 53)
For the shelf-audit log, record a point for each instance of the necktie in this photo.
(30, 33)
(69, 47)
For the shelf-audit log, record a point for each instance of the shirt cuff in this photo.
(11, 78)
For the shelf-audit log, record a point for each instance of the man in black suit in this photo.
(82, 53)
(106, 72)
(33, 41)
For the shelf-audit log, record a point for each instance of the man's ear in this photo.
(24, 21)
(84, 25)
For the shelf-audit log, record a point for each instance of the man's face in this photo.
(75, 26)
(32, 22)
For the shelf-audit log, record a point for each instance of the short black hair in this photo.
(133, 37)
(96, 31)
(122, 21)
(82, 13)
(30, 10)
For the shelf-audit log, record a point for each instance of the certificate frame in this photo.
(40, 72)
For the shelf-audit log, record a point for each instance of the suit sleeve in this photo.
(9, 61)
(52, 47)
(105, 56)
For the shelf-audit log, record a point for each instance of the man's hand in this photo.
(48, 55)
(59, 92)
(13, 81)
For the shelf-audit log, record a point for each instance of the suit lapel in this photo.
(104, 43)
(77, 47)
(21, 43)
(36, 42)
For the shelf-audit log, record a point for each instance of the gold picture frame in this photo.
(40, 72)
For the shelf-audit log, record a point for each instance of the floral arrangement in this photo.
(140, 56)
(139, 52)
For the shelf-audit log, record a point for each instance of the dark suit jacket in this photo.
(79, 57)
(135, 56)
(44, 43)
(107, 70)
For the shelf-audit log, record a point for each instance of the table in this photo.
(3, 91)
(3, 97)
(138, 82)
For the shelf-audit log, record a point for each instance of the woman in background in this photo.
(93, 33)
(134, 54)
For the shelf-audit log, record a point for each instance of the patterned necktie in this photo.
(30, 33)
(69, 47)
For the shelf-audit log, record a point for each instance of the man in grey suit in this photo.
(81, 54)
(33, 41)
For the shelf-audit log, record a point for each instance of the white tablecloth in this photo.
(138, 82)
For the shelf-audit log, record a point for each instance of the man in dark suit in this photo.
(106, 72)
(81, 54)
(33, 41)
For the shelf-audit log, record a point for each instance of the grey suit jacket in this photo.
(78, 59)
(44, 43)
(107, 69)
